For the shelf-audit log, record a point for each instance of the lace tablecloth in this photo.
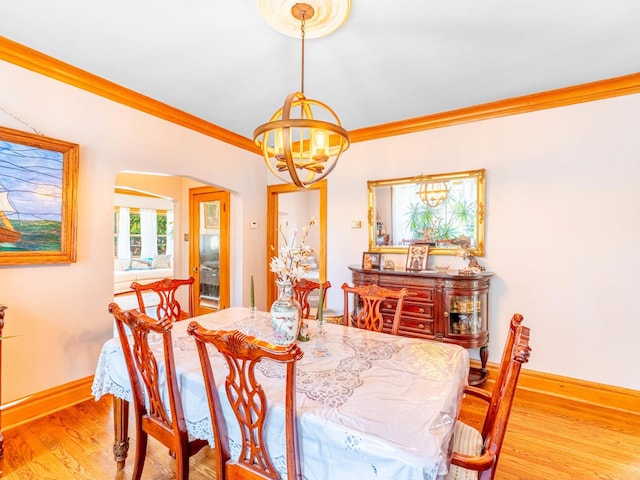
(378, 406)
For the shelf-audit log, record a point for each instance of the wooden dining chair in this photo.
(156, 415)
(301, 291)
(248, 402)
(475, 453)
(368, 315)
(166, 289)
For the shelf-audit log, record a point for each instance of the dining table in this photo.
(369, 405)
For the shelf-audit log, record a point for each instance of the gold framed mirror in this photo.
(434, 209)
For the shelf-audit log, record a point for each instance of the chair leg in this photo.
(141, 453)
(182, 465)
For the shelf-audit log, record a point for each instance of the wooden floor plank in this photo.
(33, 458)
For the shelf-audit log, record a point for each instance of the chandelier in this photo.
(433, 193)
(302, 141)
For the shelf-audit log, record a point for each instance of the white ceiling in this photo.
(391, 60)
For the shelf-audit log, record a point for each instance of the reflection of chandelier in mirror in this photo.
(309, 145)
(433, 193)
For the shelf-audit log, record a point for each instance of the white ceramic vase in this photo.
(285, 315)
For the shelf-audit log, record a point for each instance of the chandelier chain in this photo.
(302, 25)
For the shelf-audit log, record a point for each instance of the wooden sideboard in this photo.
(443, 307)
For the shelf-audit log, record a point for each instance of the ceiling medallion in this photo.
(329, 16)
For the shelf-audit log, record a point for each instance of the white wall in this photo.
(562, 225)
(59, 312)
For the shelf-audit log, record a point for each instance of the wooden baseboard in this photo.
(591, 393)
(46, 402)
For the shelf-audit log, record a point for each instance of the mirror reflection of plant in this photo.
(446, 230)
(420, 218)
(423, 217)
(465, 214)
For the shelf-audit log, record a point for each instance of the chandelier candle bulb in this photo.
(319, 146)
(279, 149)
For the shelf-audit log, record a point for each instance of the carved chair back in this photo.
(166, 289)
(160, 416)
(248, 402)
(368, 315)
(301, 291)
(500, 400)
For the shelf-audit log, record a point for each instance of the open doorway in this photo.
(174, 190)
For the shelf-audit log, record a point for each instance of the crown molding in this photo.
(33, 60)
(587, 92)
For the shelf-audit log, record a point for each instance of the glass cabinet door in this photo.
(466, 314)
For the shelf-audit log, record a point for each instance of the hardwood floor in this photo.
(548, 438)
(75, 444)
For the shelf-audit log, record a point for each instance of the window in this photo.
(162, 232)
(135, 237)
(162, 227)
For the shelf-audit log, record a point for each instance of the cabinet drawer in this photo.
(411, 326)
(409, 308)
(421, 294)
(416, 325)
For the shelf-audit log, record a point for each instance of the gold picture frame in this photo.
(371, 260)
(417, 257)
(38, 198)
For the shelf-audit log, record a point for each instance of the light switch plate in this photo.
(356, 224)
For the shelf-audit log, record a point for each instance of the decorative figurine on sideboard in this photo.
(463, 242)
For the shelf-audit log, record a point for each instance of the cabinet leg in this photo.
(120, 431)
(484, 356)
